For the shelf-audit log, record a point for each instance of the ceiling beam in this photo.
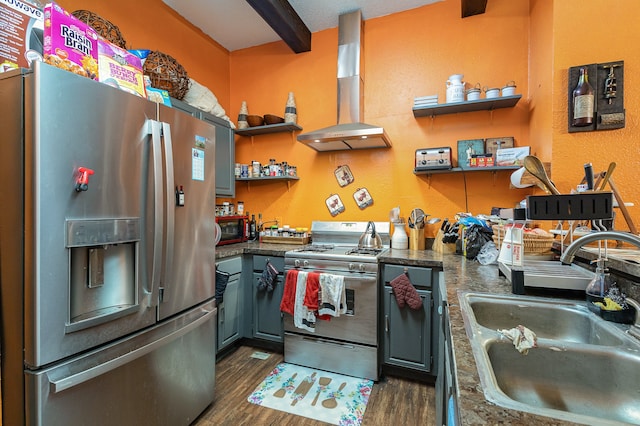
(473, 7)
(285, 22)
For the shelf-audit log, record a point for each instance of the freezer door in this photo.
(85, 280)
(188, 275)
(162, 376)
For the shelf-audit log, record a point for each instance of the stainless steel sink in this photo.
(584, 370)
(564, 321)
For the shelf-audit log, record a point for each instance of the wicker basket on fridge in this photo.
(533, 241)
(104, 28)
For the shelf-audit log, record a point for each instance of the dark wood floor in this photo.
(393, 401)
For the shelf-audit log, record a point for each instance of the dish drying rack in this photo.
(596, 207)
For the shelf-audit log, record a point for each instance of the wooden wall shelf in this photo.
(466, 106)
(271, 128)
(461, 170)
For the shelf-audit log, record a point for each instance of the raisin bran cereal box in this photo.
(119, 68)
(21, 25)
(69, 43)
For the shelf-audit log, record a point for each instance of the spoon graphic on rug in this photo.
(280, 393)
(323, 382)
(331, 402)
(303, 388)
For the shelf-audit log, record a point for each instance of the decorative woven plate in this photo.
(103, 27)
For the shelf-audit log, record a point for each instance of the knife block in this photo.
(416, 238)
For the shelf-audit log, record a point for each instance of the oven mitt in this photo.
(405, 292)
(222, 278)
(268, 277)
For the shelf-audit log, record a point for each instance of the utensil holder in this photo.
(416, 239)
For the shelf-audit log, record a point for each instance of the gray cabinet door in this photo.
(407, 337)
(229, 314)
(230, 310)
(225, 156)
(267, 318)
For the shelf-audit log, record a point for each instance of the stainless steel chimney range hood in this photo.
(350, 132)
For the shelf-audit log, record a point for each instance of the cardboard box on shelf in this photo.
(511, 156)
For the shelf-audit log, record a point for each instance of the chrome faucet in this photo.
(572, 249)
(634, 330)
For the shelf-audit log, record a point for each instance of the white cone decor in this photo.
(242, 116)
(290, 112)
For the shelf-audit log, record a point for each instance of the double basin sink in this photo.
(583, 370)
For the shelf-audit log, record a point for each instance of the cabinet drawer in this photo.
(419, 277)
(259, 263)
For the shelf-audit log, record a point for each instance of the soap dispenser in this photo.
(598, 287)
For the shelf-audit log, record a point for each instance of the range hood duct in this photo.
(350, 132)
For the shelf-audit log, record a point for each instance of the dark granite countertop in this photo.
(460, 275)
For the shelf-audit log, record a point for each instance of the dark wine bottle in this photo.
(583, 101)
(252, 228)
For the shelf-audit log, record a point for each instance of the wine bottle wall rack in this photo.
(607, 80)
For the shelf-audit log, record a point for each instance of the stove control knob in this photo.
(305, 264)
(352, 266)
(361, 267)
(296, 263)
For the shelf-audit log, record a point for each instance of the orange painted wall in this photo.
(150, 24)
(610, 33)
(406, 55)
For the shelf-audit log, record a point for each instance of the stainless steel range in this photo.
(347, 344)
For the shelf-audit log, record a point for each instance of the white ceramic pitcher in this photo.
(455, 88)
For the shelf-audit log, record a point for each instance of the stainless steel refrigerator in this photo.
(107, 269)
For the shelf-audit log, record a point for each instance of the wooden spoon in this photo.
(536, 168)
(607, 175)
(331, 402)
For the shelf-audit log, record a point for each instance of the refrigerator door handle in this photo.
(169, 204)
(156, 141)
(76, 379)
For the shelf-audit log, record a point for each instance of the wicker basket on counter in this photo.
(166, 74)
(532, 242)
(104, 28)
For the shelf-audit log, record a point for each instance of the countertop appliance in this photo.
(433, 158)
(107, 265)
(233, 229)
(347, 344)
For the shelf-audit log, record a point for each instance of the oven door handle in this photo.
(330, 342)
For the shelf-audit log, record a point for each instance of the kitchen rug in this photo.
(316, 394)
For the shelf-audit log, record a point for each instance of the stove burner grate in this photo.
(364, 251)
(319, 248)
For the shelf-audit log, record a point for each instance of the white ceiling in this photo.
(235, 25)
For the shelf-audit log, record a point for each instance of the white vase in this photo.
(455, 88)
(399, 239)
